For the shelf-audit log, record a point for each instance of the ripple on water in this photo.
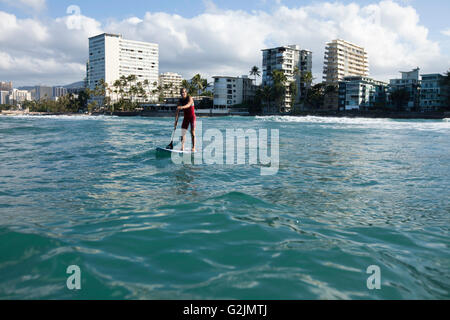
(350, 194)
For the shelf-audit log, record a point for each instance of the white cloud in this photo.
(446, 32)
(45, 51)
(36, 5)
(229, 42)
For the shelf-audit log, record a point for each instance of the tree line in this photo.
(124, 94)
(273, 96)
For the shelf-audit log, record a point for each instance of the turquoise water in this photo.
(349, 193)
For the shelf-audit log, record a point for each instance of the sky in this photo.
(46, 41)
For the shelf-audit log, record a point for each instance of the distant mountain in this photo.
(28, 88)
(75, 85)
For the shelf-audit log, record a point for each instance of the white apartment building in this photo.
(170, 82)
(18, 96)
(342, 59)
(230, 91)
(111, 57)
(356, 92)
(286, 59)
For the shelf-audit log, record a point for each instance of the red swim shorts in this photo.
(188, 121)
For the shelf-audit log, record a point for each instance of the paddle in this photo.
(170, 146)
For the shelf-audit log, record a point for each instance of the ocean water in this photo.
(349, 194)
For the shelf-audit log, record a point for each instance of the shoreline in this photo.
(337, 114)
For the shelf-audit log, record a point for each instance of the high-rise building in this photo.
(42, 93)
(342, 59)
(59, 92)
(293, 62)
(4, 95)
(111, 57)
(6, 86)
(409, 84)
(229, 91)
(431, 92)
(362, 93)
(171, 84)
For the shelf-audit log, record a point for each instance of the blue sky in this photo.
(47, 18)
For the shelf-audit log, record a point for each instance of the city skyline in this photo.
(43, 44)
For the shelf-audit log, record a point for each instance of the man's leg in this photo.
(193, 133)
(183, 138)
(193, 138)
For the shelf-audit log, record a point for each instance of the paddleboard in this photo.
(173, 151)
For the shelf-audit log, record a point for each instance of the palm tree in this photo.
(123, 84)
(255, 72)
(266, 95)
(100, 90)
(147, 85)
(131, 79)
(205, 84)
(196, 81)
(279, 87)
(116, 85)
(189, 86)
(293, 90)
(155, 89)
(307, 79)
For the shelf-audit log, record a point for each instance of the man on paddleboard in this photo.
(187, 105)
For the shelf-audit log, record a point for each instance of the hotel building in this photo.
(59, 92)
(18, 96)
(111, 57)
(42, 93)
(431, 95)
(411, 84)
(171, 84)
(230, 91)
(342, 59)
(4, 95)
(286, 59)
(6, 86)
(361, 93)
